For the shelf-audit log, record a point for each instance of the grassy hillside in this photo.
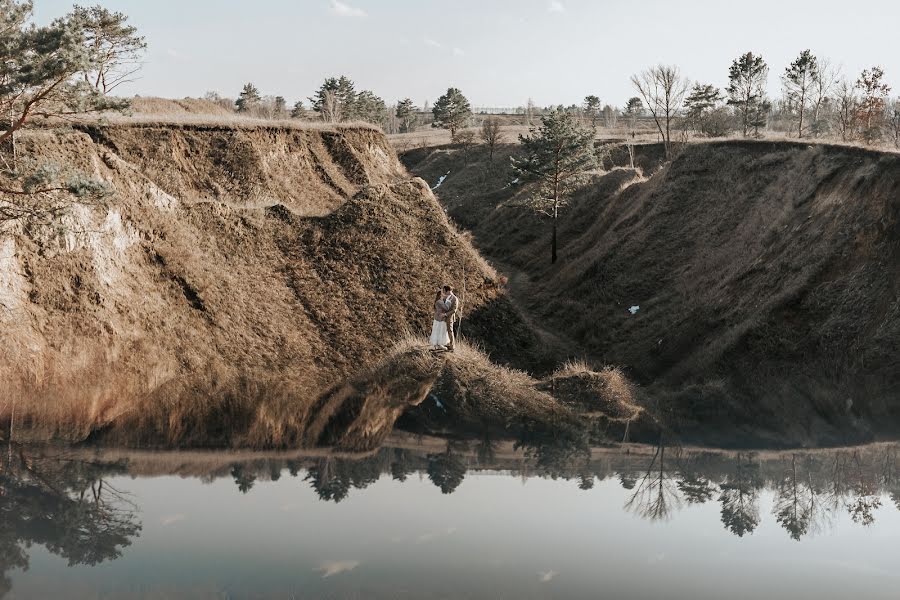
(235, 276)
(766, 274)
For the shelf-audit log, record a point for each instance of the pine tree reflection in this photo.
(447, 470)
(739, 496)
(66, 506)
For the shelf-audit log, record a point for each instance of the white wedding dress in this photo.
(439, 334)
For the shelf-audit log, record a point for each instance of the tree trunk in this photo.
(553, 243)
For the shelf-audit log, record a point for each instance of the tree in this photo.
(662, 88)
(821, 94)
(298, 111)
(846, 103)
(491, 134)
(370, 108)
(248, 98)
(746, 91)
(406, 113)
(634, 108)
(873, 98)
(893, 120)
(42, 76)
(556, 153)
(335, 100)
(702, 111)
(115, 46)
(279, 107)
(799, 81)
(451, 111)
(465, 139)
(592, 108)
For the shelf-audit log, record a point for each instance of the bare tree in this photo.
(491, 134)
(331, 107)
(662, 88)
(821, 92)
(846, 103)
(466, 139)
(893, 120)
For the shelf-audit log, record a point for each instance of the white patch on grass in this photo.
(633, 310)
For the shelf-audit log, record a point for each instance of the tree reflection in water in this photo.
(70, 507)
(656, 492)
(739, 496)
(64, 505)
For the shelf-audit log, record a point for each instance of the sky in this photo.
(498, 52)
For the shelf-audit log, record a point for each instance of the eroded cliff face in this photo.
(765, 276)
(233, 272)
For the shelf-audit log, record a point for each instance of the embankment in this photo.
(765, 278)
(236, 274)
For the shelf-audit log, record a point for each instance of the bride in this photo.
(440, 337)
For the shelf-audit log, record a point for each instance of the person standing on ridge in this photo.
(452, 304)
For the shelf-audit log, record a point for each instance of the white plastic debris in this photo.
(633, 310)
(440, 181)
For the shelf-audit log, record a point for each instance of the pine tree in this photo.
(42, 72)
(280, 107)
(298, 111)
(248, 98)
(116, 47)
(592, 108)
(555, 154)
(406, 113)
(370, 108)
(799, 79)
(335, 100)
(451, 111)
(699, 103)
(746, 91)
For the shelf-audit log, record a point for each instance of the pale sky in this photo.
(498, 52)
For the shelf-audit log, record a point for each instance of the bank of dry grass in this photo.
(766, 277)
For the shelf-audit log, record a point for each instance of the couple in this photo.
(446, 305)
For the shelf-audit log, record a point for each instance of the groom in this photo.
(452, 304)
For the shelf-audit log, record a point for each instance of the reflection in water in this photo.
(64, 505)
(68, 505)
(656, 492)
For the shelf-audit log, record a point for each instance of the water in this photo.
(450, 521)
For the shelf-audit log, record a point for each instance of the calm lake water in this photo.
(474, 520)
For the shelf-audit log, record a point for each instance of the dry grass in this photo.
(756, 266)
(235, 272)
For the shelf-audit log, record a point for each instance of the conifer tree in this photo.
(406, 113)
(799, 80)
(247, 99)
(592, 108)
(555, 154)
(451, 111)
(746, 91)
